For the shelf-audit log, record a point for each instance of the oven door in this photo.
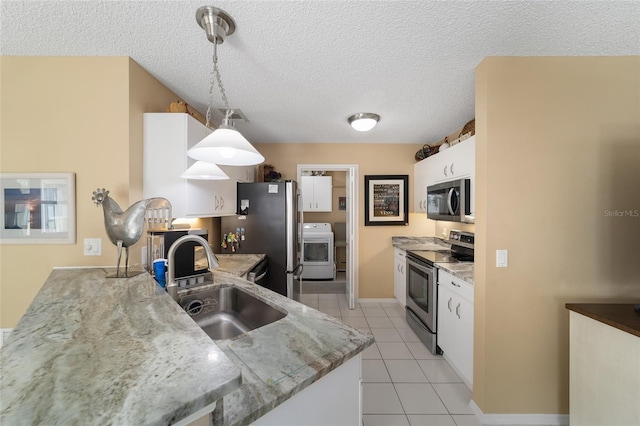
(421, 292)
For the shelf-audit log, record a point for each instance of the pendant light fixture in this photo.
(204, 171)
(364, 121)
(225, 145)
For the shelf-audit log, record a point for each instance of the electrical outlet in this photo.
(93, 246)
(502, 258)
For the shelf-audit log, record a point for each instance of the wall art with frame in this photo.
(386, 200)
(37, 208)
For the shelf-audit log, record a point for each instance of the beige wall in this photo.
(375, 249)
(557, 150)
(80, 115)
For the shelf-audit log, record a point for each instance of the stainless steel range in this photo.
(422, 286)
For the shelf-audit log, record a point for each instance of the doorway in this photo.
(351, 221)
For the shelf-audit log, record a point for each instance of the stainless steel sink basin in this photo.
(227, 312)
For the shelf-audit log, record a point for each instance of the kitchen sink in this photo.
(228, 311)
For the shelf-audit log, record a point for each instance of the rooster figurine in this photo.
(124, 229)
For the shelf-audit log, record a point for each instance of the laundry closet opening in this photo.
(329, 233)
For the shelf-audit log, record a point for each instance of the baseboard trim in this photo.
(376, 300)
(519, 419)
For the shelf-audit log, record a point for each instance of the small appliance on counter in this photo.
(190, 259)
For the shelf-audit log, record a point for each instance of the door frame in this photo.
(352, 177)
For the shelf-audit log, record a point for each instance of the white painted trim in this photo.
(353, 215)
(197, 415)
(378, 300)
(518, 419)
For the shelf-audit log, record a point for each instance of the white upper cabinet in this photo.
(316, 193)
(244, 174)
(420, 176)
(453, 163)
(167, 137)
(456, 162)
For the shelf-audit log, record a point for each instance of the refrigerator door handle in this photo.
(297, 272)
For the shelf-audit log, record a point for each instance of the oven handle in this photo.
(420, 266)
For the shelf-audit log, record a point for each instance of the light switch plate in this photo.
(93, 246)
(502, 258)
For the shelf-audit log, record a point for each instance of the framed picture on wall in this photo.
(386, 200)
(37, 208)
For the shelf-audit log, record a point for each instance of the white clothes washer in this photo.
(317, 252)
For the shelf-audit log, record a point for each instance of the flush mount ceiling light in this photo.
(204, 171)
(225, 145)
(364, 121)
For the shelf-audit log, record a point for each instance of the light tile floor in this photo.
(403, 383)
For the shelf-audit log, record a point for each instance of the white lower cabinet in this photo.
(335, 399)
(400, 276)
(455, 324)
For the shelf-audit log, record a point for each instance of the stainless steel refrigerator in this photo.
(267, 222)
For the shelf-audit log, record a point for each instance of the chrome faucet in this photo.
(172, 285)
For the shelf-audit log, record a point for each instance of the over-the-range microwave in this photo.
(449, 201)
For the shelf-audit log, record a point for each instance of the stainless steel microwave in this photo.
(449, 201)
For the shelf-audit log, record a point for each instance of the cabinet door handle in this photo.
(445, 170)
(398, 267)
(449, 304)
(453, 283)
(451, 169)
(215, 197)
(402, 269)
(221, 202)
(458, 310)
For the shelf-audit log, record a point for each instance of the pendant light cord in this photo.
(215, 78)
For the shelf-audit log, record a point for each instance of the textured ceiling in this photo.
(298, 69)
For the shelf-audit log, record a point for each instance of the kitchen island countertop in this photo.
(93, 350)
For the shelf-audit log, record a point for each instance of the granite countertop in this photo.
(462, 270)
(93, 350)
(618, 315)
(237, 264)
(282, 358)
(420, 243)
